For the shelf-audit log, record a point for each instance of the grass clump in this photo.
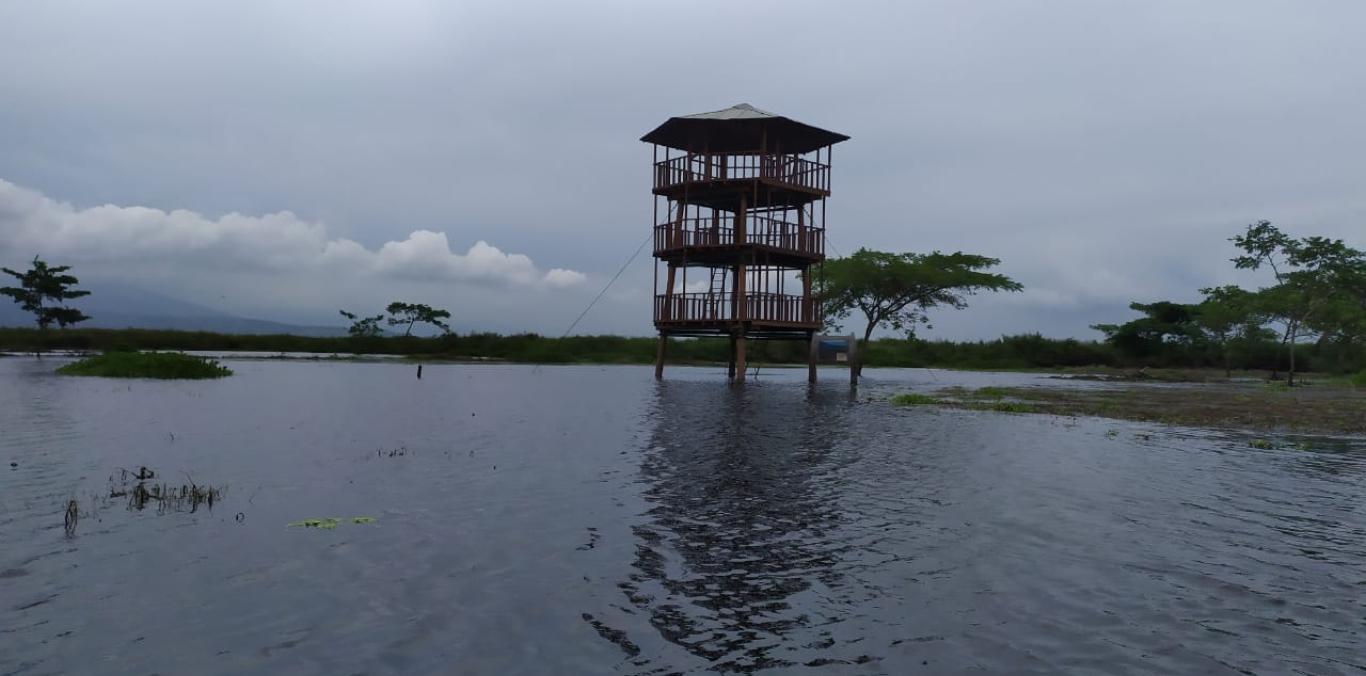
(913, 399)
(163, 365)
(1359, 379)
(990, 393)
(1006, 407)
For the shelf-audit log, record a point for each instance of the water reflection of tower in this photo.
(743, 519)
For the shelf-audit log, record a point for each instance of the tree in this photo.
(1228, 318)
(1311, 273)
(43, 291)
(363, 327)
(409, 314)
(897, 291)
(1164, 328)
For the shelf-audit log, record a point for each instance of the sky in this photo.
(282, 160)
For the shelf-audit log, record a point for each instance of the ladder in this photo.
(718, 291)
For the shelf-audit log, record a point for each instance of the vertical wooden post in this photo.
(659, 355)
(730, 360)
(853, 361)
(811, 360)
(740, 358)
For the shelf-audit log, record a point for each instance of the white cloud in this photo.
(32, 223)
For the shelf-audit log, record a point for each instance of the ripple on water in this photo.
(591, 519)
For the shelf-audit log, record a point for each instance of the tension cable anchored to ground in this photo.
(607, 286)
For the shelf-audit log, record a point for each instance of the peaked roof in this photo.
(740, 128)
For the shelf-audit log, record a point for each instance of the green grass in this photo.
(913, 399)
(1005, 407)
(1359, 379)
(164, 365)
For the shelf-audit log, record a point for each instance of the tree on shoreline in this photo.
(410, 314)
(1310, 273)
(897, 291)
(42, 284)
(363, 327)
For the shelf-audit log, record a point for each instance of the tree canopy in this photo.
(409, 314)
(897, 291)
(43, 291)
(363, 327)
(1318, 290)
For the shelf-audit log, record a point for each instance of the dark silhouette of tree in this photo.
(363, 327)
(409, 314)
(43, 292)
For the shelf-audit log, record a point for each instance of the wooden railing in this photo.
(790, 169)
(759, 229)
(715, 307)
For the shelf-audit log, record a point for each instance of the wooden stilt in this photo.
(730, 365)
(740, 359)
(659, 356)
(811, 360)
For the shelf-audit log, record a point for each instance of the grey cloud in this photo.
(1105, 151)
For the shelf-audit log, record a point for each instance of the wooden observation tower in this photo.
(739, 223)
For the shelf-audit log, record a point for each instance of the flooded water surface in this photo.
(582, 520)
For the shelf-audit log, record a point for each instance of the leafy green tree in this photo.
(43, 292)
(363, 327)
(409, 314)
(1311, 274)
(1229, 320)
(897, 291)
(1164, 329)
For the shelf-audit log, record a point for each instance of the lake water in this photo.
(587, 520)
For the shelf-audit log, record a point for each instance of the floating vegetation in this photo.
(136, 488)
(993, 403)
(1331, 409)
(164, 365)
(914, 399)
(392, 453)
(1262, 444)
(329, 522)
(326, 524)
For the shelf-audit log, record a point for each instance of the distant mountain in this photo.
(115, 306)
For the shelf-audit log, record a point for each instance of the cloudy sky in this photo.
(283, 159)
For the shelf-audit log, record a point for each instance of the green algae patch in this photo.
(161, 365)
(330, 522)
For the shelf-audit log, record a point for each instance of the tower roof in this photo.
(740, 128)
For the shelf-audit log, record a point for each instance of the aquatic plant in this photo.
(73, 515)
(1262, 444)
(329, 522)
(1005, 406)
(914, 399)
(139, 493)
(164, 365)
